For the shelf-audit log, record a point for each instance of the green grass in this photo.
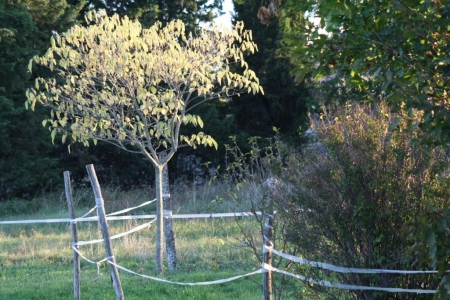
(36, 259)
(36, 262)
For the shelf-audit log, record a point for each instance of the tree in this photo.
(191, 12)
(27, 162)
(397, 50)
(54, 15)
(283, 104)
(134, 88)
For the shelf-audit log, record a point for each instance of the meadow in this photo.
(36, 259)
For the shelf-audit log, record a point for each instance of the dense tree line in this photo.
(29, 162)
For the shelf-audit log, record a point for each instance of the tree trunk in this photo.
(160, 218)
(168, 232)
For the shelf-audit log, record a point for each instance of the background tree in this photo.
(397, 50)
(54, 15)
(27, 163)
(134, 88)
(191, 12)
(283, 104)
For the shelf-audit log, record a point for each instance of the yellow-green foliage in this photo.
(131, 86)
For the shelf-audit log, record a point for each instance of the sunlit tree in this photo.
(134, 88)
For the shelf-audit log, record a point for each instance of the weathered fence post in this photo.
(267, 257)
(267, 239)
(73, 229)
(171, 252)
(105, 233)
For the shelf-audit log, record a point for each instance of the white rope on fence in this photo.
(135, 217)
(67, 220)
(347, 286)
(90, 261)
(97, 263)
(131, 208)
(189, 283)
(164, 280)
(91, 219)
(85, 215)
(137, 228)
(342, 269)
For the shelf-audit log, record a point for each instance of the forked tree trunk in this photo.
(168, 231)
(159, 219)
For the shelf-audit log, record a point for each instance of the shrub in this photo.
(357, 193)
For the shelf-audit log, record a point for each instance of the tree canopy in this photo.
(134, 87)
(283, 104)
(398, 50)
(191, 12)
(27, 162)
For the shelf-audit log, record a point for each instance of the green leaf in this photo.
(30, 65)
(200, 121)
(53, 135)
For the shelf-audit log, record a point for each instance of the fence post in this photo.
(105, 233)
(73, 229)
(267, 257)
(267, 240)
